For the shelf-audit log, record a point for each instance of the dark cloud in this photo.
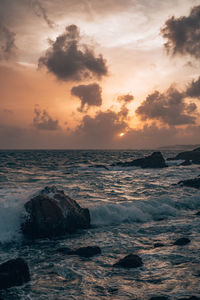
(70, 60)
(193, 89)
(90, 95)
(125, 98)
(169, 108)
(183, 34)
(7, 43)
(43, 121)
(40, 11)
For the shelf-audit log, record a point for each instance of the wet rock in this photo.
(52, 213)
(158, 245)
(186, 163)
(193, 156)
(182, 242)
(159, 298)
(194, 183)
(14, 272)
(83, 251)
(155, 160)
(129, 261)
(198, 213)
(99, 166)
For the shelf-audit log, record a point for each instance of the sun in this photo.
(121, 134)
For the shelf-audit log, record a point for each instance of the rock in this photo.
(186, 163)
(193, 156)
(14, 272)
(155, 160)
(129, 261)
(157, 245)
(83, 251)
(159, 298)
(194, 183)
(198, 213)
(182, 241)
(99, 166)
(52, 213)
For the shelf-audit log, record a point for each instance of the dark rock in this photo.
(14, 272)
(159, 298)
(157, 245)
(194, 183)
(197, 149)
(198, 213)
(155, 160)
(52, 213)
(193, 156)
(130, 261)
(182, 241)
(83, 251)
(186, 163)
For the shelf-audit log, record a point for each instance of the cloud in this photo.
(125, 98)
(193, 89)
(183, 34)
(7, 43)
(43, 121)
(90, 95)
(40, 11)
(168, 108)
(69, 60)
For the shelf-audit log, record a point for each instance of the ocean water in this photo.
(131, 210)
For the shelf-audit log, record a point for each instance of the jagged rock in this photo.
(52, 213)
(158, 245)
(194, 183)
(155, 160)
(186, 163)
(129, 261)
(83, 251)
(182, 242)
(14, 272)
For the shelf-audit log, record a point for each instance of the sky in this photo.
(109, 74)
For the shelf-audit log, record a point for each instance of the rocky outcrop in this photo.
(182, 242)
(193, 183)
(192, 156)
(88, 251)
(52, 213)
(155, 160)
(14, 272)
(129, 261)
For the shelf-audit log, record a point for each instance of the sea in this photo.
(131, 209)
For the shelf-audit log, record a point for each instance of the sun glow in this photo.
(122, 134)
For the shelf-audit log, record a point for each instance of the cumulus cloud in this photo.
(90, 95)
(69, 60)
(169, 108)
(40, 11)
(43, 121)
(125, 98)
(7, 43)
(183, 34)
(193, 89)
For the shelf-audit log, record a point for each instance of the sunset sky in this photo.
(99, 74)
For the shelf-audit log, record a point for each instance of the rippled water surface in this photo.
(131, 209)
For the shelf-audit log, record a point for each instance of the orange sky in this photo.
(37, 107)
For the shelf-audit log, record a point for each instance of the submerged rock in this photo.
(155, 160)
(182, 242)
(158, 245)
(52, 213)
(129, 261)
(83, 251)
(194, 183)
(14, 272)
